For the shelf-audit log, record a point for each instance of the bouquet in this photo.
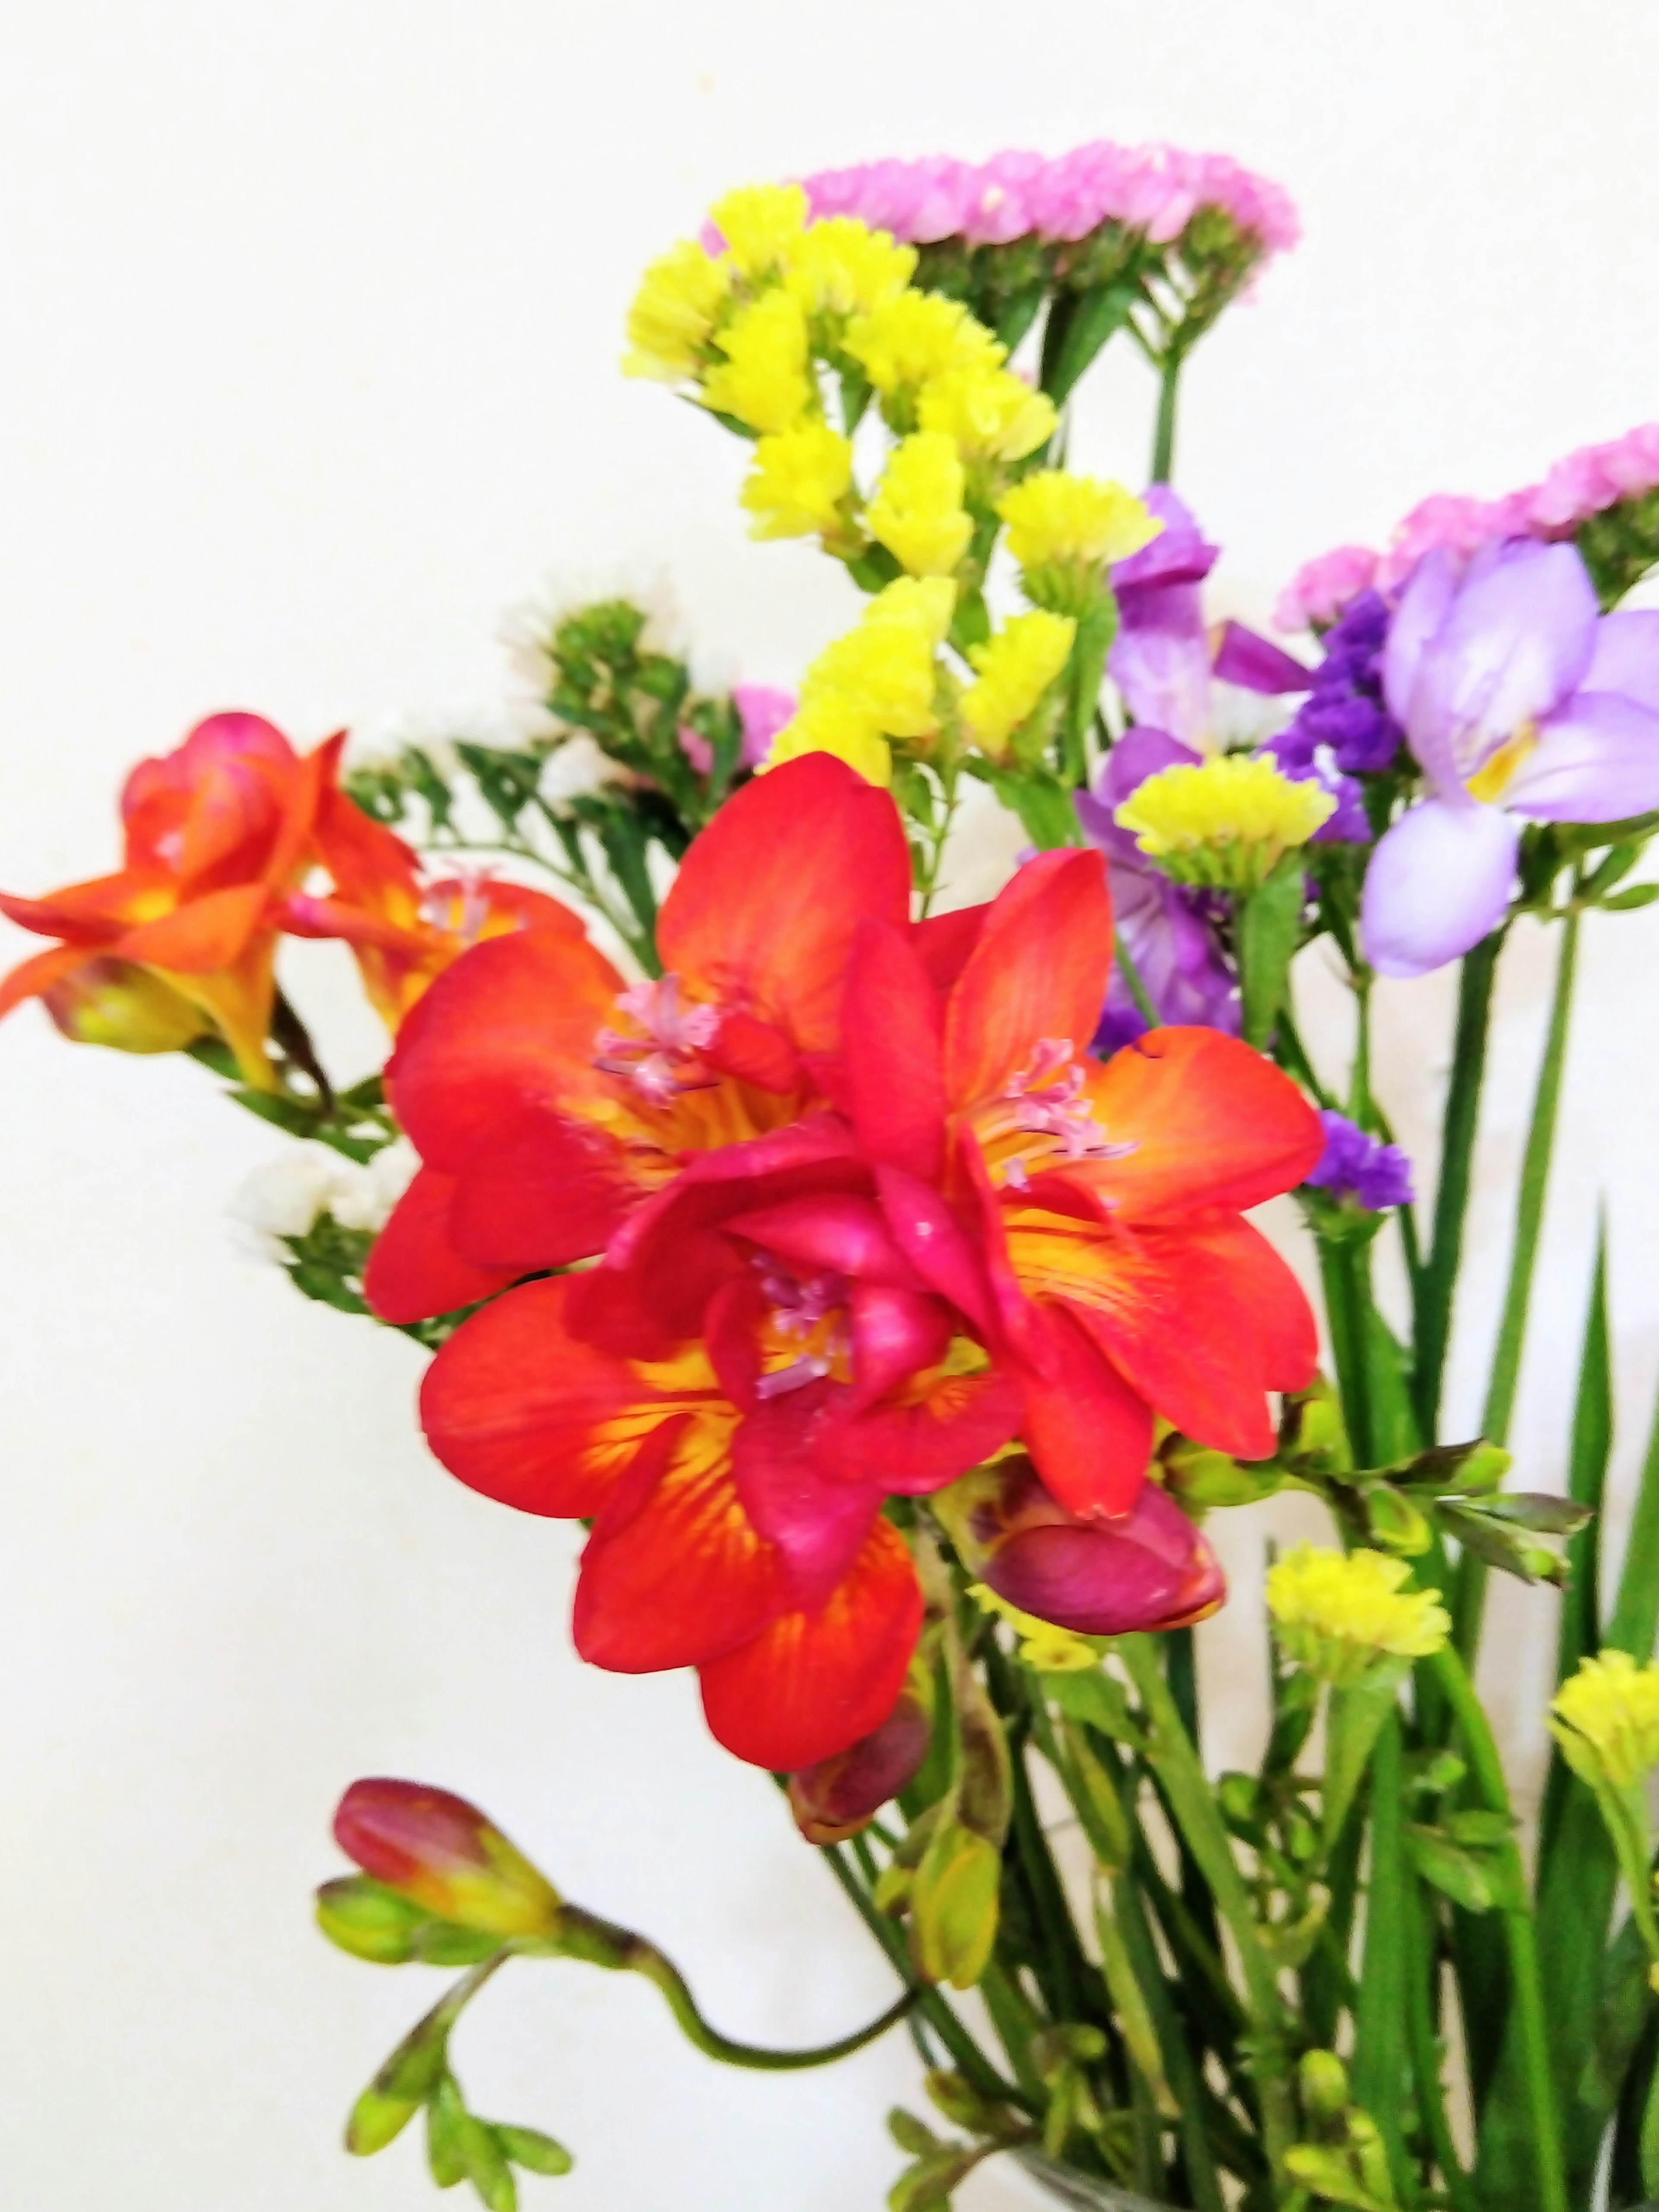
(872, 1275)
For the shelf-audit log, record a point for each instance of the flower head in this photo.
(800, 479)
(129, 1008)
(1606, 1719)
(916, 337)
(446, 1855)
(1226, 821)
(1355, 1165)
(1518, 702)
(876, 682)
(763, 380)
(761, 225)
(1055, 517)
(1337, 1613)
(674, 312)
(992, 414)
(842, 267)
(1015, 667)
(917, 513)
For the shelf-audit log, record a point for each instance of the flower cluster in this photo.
(285, 1197)
(1336, 1613)
(1156, 189)
(860, 1216)
(1578, 489)
(1355, 1165)
(1605, 1718)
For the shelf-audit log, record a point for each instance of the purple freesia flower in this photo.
(1166, 929)
(1518, 700)
(1361, 1167)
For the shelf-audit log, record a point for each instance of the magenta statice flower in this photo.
(1519, 701)
(1356, 1166)
(1167, 929)
(1580, 485)
(1156, 189)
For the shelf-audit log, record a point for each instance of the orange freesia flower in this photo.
(865, 1219)
(216, 833)
(405, 932)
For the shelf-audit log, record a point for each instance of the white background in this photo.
(311, 315)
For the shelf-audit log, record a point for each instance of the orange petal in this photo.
(1038, 970)
(525, 1411)
(39, 972)
(813, 1683)
(414, 1271)
(764, 911)
(204, 933)
(1212, 1123)
(686, 1578)
(510, 1026)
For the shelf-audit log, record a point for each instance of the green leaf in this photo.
(1089, 1694)
(1626, 902)
(911, 2134)
(1635, 1619)
(1090, 318)
(1378, 2068)
(1472, 1879)
(1042, 802)
(1269, 925)
(532, 2151)
(1357, 1716)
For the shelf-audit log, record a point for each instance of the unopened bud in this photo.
(954, 1895)
(1394, 1523)
(377, 2120)
(1202, 1478)
(369, 1920)
(443, 1853)
(834, 1799)
(129, 1008)
(1324, 2081)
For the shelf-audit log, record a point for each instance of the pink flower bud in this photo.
(1149, 1568)
(840, 1795)
(442, 1852)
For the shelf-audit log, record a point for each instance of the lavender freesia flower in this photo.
(1518, 700)
(1361, 1167)
(1166, 929)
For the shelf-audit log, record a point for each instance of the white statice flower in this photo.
(366, 1202)
(576, 769)
(377, 741)
(527, 629)
(288, 1195)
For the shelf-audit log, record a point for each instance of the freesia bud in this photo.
(1202, 1477)
(129, 1008)
(442, 1852)
(1145, 1569)
(834, 1799)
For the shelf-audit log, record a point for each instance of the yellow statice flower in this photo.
(764, 381)
(992, 414)
(761, 224)
(916, 337)
(917, 513)
(674, 312)
(1050, 1649)
(1054, 517)
(1224, 822)
(1015, 668)
(842, 267)
(1606, 1719)
(834, 723)
(799, 480)
(1337, 1613)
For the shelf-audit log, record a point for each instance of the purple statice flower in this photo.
(1343, 729)
(1581, 484)
(1361, 1167)
(1519, 701)
(1168, 930)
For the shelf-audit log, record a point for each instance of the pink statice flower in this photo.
(1321, 588)
(763, 711)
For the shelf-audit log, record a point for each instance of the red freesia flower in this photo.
(405, 932)
(216, 833)
(864, 1218)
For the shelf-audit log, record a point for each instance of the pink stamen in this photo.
(1049, 1095)
(674, 1036)
(466, 917)
(808, 1368)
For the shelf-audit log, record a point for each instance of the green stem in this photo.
(1133, 984)
(1531, 2027)
(1342, 1274)
(1470, 1602)
(1451, 1198)
(948, 778)
(1422, 1971)
(1191, 1798)
(1381, 2023)
(602, 1943)
(1164, 437)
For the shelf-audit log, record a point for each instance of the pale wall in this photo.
(310, 368)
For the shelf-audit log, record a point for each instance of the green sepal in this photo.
(487, 2168)
(1355, 1720)
(1090, 318)
(446, 2128)
(535, 2151)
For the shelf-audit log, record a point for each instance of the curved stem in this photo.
(1532, 2030)
(584, 1935)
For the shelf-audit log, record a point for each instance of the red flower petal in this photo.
(1212, 1124)
(891, 1047)
(818, 1524)
(414, 1271)
(511, 1026)
(542, 1193)
(813, 1683)
(1287, 1336)
(942, 942)
(936, 1244)
(894, 1333)
(519, 1408)
(962, 1420)
(834, 1230)
(764, 911)
(688, 1578)
(1038, 970)
(1088, 1433)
